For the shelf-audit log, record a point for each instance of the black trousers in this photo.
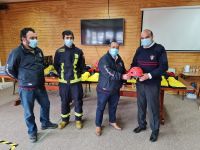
(69, 92)
(148, 96)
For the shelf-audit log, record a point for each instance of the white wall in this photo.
(176, 28)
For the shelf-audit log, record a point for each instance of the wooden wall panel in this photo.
(2, 52)
(50, 18)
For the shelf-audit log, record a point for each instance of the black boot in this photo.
(154, 136)
(139, 129)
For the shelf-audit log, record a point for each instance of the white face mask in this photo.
(114, 52)
(33, 43)
(68, 42)
(146, 42)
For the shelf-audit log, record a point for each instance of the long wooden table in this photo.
(193, 77)
(52, 84)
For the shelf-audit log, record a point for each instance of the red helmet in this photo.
(96, 64)
(135, 72)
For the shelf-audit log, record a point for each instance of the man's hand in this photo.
(125, 77)
(144, 77)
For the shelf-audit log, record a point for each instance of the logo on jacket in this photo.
(120, 64)
(40, 54)
(152, 57)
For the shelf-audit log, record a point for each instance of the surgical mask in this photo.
(113, 52)
(33, 43)
(146, 42)
(68, 42)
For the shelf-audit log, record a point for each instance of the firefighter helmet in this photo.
(135, 72)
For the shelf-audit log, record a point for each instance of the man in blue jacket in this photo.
(111, 76)
(152, 58)
(25, 63)
(69, 62)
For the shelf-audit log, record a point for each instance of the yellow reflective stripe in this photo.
(71, 81)
(62, 80)
(65, 116)
(78, 114)
(61, 50)
(75, 65)
(62, 71)
(76, 79)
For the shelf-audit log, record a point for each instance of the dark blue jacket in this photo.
(26, 67)
(152, 60)
(69, 63)
(110, 73)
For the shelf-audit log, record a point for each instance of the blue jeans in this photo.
(28, 97)
(102, 99)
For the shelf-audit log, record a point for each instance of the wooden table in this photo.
(127, 90)
(5, 76)
(192, 76)
(132, 93)
(51, 83)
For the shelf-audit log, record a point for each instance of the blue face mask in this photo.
(113, 52)
(68, 42)
(33, 43)
(146, 42)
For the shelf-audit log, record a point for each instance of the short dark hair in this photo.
(24, 31)
(67, 32)
(109, 41)
(113, 41)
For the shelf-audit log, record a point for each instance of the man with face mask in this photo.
(26, 64)
(111, 76)
(152, 58)
(69, 62)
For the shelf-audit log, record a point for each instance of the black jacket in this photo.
(69, 63)
(110, 73)
(152, 60)
(26, 67)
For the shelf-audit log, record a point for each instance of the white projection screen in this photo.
(176, 28)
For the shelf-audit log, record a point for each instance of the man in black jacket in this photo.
(25, 63)
(69, 63)
(112, 74)
(152, 58)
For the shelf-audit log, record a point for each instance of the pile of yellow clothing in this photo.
(85, 76)
(93, 78)
(175, 83)
(164, 82)
(49, 69)
(131, 81)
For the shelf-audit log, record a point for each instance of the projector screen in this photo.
(176, 28)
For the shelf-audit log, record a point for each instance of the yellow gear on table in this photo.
(175, 83)
(85, 76)
(164, 82)
(54, 71)
(93, 78)
(49, 69)
(131, 81)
